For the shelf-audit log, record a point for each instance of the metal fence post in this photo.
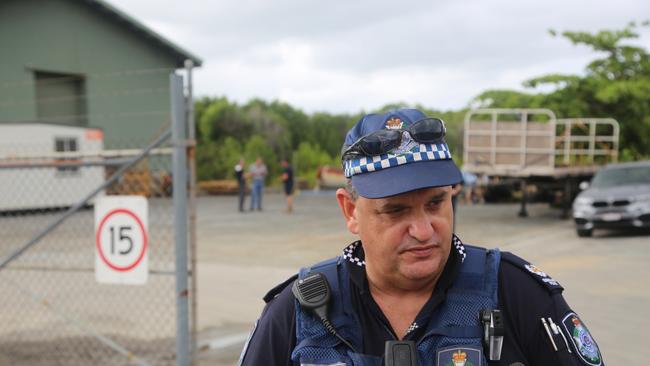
(191, 151)
(180, 216)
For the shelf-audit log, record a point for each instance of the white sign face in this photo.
(121, 240)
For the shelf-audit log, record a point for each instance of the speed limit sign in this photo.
(121, 240)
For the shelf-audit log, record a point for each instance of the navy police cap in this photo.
(410, 166)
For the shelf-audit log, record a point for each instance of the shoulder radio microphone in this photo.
(313, 293)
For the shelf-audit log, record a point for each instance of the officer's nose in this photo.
(420, 227)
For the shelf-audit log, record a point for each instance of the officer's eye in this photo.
(392, 210)
(434, 204)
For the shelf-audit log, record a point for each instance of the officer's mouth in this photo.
(421, 251)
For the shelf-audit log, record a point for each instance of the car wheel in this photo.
(584, 233)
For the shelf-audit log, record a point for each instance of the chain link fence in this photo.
(53, 311)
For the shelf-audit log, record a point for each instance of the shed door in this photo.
(60, 98)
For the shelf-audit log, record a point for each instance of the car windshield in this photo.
(621, 176)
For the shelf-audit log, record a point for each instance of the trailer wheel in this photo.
(584, 233)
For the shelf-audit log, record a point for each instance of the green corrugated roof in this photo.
(179, 53)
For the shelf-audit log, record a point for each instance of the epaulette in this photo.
(277, 289)
(540, 276)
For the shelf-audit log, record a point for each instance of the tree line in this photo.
(616, 85)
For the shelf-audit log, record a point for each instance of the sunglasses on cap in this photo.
(424, 131)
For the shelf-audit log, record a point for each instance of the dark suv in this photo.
(618, 197)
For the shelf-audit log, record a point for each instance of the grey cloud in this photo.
(488, 43)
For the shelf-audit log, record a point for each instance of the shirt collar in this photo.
(354, 255)
(355, 259)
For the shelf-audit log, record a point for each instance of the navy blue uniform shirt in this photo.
(526, 294)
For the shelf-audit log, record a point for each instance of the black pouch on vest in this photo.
(400, 353)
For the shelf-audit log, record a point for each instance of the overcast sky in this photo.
(348, 56)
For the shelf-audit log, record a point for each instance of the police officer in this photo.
(410, 292)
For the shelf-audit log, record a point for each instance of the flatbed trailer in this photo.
(534, 147)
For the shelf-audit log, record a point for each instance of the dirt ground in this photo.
(242, 255)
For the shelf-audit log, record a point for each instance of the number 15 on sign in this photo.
(121, 240)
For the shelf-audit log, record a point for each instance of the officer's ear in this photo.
(348, 206)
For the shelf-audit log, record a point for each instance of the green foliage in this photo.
(272, 131)
(272, 127)
(221, 119)
(297, 122)
(616, 85)
(308, 158)
(328, 131)
(206, 154)
(228, 154)
(217, 161)
(509, 98)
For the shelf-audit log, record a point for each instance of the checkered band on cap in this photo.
(420, 152)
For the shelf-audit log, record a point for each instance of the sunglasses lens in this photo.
(427, 130)
(380, 142)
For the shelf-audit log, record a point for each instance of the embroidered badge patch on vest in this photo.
(582, 340)
(459, 356)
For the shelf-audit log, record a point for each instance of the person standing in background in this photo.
(241, 182)
(287, 180)
(469, 187)
(257, 172)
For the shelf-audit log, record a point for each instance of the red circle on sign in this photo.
(98, 240)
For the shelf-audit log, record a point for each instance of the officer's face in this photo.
(406, 238)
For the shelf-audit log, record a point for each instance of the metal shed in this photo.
(85, 63)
